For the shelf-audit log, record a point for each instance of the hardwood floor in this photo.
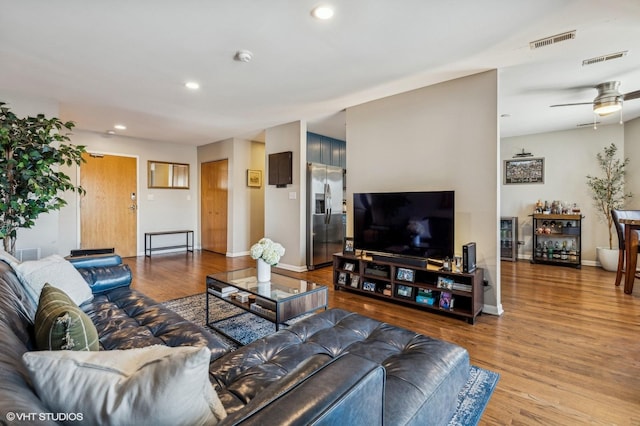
(567, 346)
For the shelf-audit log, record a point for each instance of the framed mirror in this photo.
(162, 174)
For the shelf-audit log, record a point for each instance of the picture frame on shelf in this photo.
(405, 291)
(355, 281)
(444, 282)
(342, 278)
(523, 170)
(446, 300)
(405, 274)
(348, 266)
(348, 247)
(254, 178)
(369, 286)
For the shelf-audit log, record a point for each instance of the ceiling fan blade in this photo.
(579, 103)
(631, 95)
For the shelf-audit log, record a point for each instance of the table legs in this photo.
(631, 253)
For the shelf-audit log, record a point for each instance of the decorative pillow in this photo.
(10, 260)
(155, 385)
(61, 324)
(56, 271)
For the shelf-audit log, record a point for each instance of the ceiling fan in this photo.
(609, 99)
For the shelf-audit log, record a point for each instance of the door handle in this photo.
(133, 207)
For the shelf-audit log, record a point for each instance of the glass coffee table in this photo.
(278, 300)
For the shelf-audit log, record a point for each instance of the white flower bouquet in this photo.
(268, 251)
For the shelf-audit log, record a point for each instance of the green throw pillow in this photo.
(61, 325)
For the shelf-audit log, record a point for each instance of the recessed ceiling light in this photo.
(192, 85)
(120, 127)
(322, 12)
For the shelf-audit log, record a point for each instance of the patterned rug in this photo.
(247, 327)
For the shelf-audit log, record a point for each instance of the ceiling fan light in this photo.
(606, 107)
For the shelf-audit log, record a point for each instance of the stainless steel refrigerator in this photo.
(325, 218)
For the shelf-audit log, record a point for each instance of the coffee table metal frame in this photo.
(290, 299)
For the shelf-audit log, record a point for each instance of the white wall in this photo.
(158, 209)
(441, 137)
(245, 218)
(256, 195)
(569, 156)
(285, 208)
(58, 232)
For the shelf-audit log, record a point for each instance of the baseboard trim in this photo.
(493, 309)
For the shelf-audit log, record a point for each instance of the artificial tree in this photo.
(31, 183)
(607, 191)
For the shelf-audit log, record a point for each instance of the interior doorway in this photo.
(214, 180)
(109, 209)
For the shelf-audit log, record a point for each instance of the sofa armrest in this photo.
(95, 260)
(103, 272)
(103, 279)
(348, 390)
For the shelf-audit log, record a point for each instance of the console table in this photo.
(148, 238)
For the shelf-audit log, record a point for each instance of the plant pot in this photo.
(608, 258)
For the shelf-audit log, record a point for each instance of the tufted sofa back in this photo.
(16, 335)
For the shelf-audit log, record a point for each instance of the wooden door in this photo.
(108, 214)
(214, 177)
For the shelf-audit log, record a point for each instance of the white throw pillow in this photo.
(156, 385)
(58, 272)
(10, 260)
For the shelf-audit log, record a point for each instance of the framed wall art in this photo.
(254, 178)
(524, 170)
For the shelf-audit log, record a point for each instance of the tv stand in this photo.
(422, 286)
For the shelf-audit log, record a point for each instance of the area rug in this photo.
(247, 327)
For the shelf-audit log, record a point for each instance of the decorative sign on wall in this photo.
(524, 170)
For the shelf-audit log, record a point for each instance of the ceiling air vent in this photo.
(552, 40)
(604, 58)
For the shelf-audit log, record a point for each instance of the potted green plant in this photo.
(607, 192)
(32, 151)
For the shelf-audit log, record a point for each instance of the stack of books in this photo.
(221, 290)
(462, 287)
(264, 311)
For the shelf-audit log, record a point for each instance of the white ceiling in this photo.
(123, 61)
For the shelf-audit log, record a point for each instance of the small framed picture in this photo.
(355, 281)
(342, 278)
(348, 266)
(446, 300)
(405, 291)
(254, 178)
(369, 286)
(444, 282)
(348, 247)
(404, 274)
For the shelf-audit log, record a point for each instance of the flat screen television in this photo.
(411, 224)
